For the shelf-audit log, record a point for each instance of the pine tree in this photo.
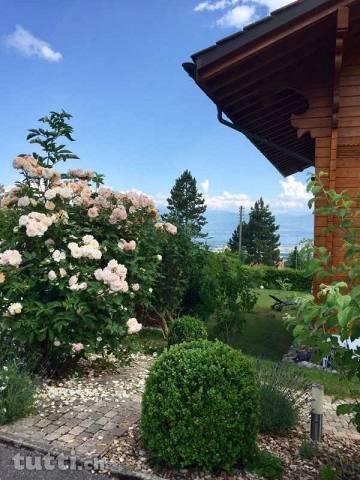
(262, 241)
(186, 206)
(233, 243)
(293, 259)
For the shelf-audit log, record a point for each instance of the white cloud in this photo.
(205, 185)
(274, 4)
(228, 201)
(237, 17)
(293, 195)
(213, 6)
(29, 45)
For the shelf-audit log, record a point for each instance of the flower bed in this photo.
(128, 451)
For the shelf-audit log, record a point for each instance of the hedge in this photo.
(270, 276)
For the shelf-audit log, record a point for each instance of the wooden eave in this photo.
(256, 77)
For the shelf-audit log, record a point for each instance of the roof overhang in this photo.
(255, 77)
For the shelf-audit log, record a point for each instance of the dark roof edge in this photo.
(252, 32)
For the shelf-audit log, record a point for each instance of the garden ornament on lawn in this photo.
(280, 304)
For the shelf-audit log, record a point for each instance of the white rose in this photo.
(24, 201)
(62, 272)
(52, 275)
(15, 308)
(133, 326)
(50, 194)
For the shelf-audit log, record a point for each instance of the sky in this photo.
(116, 66)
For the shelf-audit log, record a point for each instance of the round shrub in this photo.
(187, 329)
(200, 407)
(278, 414)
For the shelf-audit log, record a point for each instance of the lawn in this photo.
(264, 337)
(263, 333)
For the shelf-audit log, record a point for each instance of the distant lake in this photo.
(293, 228)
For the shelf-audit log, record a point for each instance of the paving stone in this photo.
(67, 438)
(86, 423)
(109, 426)
(102, 421)
(111, 414)
(77, 431)
(82, 415)
(43, 423)
(95, 427)
(51, 437)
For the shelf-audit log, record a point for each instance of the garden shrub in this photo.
(300, 280)
(76, 258)
(328, 472)
(224, 293)
(271, 277)
(284, 396)
(332, 316)
(277, 413)
(200, 407)
(266, 464)
(179, 270)
(308, 449)
(187, 329)
(16, 393)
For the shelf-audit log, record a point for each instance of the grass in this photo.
(148, 342)
(263, 333)
(17, 393)
(335, 385)
(265, 302)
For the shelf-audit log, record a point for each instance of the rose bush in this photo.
(76, 258)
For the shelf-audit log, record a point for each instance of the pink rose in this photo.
(77, 347)
(93, 212)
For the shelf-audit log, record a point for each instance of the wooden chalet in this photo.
(291, 84)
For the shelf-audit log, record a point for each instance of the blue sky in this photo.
(138, 118)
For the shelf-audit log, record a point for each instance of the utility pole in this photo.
(240, 230)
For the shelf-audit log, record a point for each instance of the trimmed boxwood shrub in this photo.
(200, 407)
(187, 329)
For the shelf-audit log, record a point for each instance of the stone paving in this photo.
(338, 426)
(85, 415)
(88, 414)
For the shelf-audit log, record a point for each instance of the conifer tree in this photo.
(186, 206)
(263, 241)
(259, 237)
(233, 243)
